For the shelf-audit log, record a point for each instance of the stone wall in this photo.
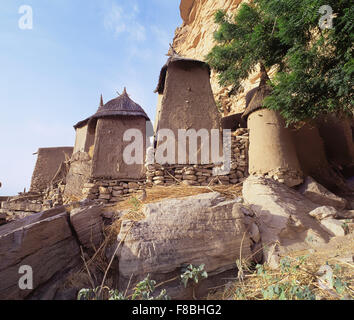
(202, 175)
(110, 191)
(20, 206)
(115, 190)
(79, 174)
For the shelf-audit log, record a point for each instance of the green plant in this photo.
(116, 295)
(193, 273)
(219, 106)
(277, 289)
(345, 226)
(135, 203)
(341, 286)
(143, 291)
(288, 265)
(88, 294)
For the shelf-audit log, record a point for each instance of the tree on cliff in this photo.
(315, 65)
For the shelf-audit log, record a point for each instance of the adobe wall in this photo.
(272, 151)
(311, 153)
(338, 137)
(158, 111)
(48, 162)
(188, 102)
(85, 138)
(79, 174)
(108, 162)
(80, 140)
(313, 159)
(90, 137)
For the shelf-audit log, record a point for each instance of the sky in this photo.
(51, 76)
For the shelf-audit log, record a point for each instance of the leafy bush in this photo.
(145, 289)
(314, 66)
(294, 281)
(193, 273)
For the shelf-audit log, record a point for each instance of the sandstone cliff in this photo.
(194, 39)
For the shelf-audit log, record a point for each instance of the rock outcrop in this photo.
(87, 223)
(3, 218)
(42, 241)
(204, 229)
(283, 217)
(49, 243)
(334, 227)
(320, 195)
(194, 39)
(324, 212)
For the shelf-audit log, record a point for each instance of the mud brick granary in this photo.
(97, 162)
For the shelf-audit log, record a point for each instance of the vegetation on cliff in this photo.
(311, 48)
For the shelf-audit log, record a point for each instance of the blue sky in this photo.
(52, 76)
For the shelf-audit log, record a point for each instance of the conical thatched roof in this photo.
(175, 58)
(256, 96)
(120, 106)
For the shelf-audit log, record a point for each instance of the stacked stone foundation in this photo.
(111, 191)
(20, 206)
(202, 175)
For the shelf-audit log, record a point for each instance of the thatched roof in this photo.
(120, 106)
(256, 96)
(174, 59)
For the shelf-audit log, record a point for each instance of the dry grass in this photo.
(302, 273)
(156, 194)
(71, 199)
(247, 285)
(98, 262)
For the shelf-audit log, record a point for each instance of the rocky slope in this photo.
(194, 39)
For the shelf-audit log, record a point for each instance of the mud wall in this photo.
(48, 162)
(108, 162)
(272, 151)
(188, 102)
(337, 135)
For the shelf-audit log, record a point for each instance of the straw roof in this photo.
(120, 106)
(175, 58)
(256, 96)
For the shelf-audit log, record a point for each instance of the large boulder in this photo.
(3, 218)
(43, 241)
(323, 212)
(346, 214)
(283, 217)
(204, 229)
(317, 193)
(88, 225)
(334, 227)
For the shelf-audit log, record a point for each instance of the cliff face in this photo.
(194, 39)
